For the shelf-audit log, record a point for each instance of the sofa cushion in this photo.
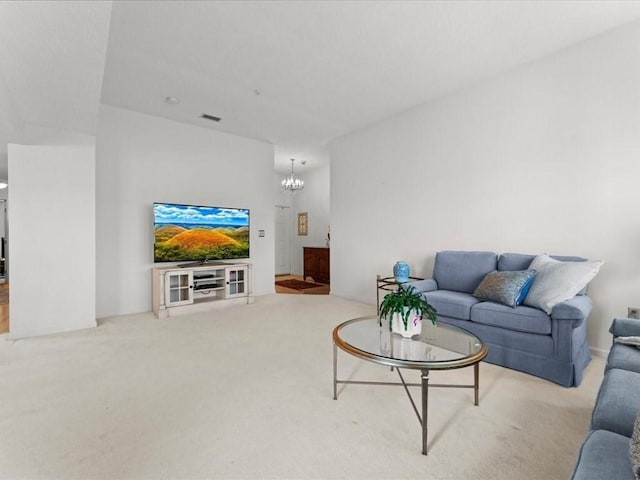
(558, 281)
(618, 402)
(521, 319)
(425, 285)
(604, 455)
(634, 447)
(624, 357)
(462, 271)
(625, 327)
(508, 288)
(521, 261)
(451, 304)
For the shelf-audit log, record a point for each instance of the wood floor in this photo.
(4, 312)
(322, 290)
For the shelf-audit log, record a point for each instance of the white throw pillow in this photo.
(557, 281)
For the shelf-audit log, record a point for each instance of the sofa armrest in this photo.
(576, 308)
(625, 327)
(420, 286)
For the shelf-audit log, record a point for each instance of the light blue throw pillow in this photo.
(507, 287)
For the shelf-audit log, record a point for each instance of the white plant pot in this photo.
(414, 325)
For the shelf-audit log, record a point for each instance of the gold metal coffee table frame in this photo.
(476, 354)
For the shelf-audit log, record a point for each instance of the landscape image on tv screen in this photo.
(198, 233)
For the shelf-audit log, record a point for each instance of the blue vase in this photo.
(401, 272)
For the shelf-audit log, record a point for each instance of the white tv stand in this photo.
(200, 287)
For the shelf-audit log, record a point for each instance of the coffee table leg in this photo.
(476, 383)
(335, 372)
(425, 407)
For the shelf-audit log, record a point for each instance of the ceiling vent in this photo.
(211, 117)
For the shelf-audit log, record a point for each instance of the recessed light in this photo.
(172, 100)
(3, 185)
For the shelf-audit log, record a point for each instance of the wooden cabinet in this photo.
(316, 264)
(192, 289)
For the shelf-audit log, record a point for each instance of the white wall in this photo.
(142, 159)
(52, 261)
(313, 199)
(39, 135)
(11, 124)
(542, 159)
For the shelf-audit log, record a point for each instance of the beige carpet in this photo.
(246, 393)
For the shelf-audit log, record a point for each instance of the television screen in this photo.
(197, 233)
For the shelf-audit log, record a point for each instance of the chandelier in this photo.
(292, 183)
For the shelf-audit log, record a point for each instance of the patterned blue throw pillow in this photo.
(506, 287)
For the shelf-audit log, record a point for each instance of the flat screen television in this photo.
(199, 233)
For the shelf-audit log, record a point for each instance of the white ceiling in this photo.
(295, 74)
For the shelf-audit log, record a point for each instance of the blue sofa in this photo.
(553, 347)
(605, 450)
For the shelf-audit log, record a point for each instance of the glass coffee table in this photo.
(439, 347)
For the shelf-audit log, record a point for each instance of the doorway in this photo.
(283, 240)
(4, 262)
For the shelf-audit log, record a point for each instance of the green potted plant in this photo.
(405, 309)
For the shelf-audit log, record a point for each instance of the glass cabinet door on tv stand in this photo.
(236, 282)
(178, 288)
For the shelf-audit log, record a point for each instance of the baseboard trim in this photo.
(599, 352)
